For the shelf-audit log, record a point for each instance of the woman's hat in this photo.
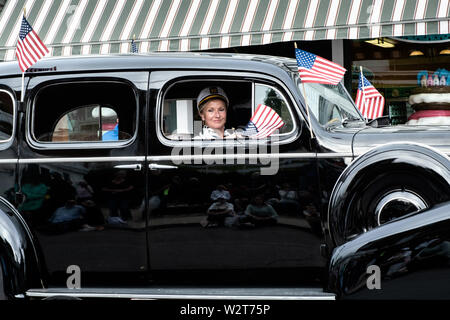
(211, 93)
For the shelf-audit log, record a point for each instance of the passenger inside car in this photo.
(184, 114)
(212, 105)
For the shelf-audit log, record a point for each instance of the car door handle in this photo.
(155, 166)
(135, 167)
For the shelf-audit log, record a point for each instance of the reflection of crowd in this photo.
(222, 212)
(53, 204)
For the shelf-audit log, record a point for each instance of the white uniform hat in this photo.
(211, 93)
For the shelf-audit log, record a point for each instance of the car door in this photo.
(82, 175)
(188, 175)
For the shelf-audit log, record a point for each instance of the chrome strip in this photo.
(14, 117)
(8, 161)
(81, 159)
(228, 294)
(306, 155)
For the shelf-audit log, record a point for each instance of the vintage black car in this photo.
(104, 188)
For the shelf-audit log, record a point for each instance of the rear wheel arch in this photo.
(408, 176)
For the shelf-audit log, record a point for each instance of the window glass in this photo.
(272, 98)
(82, 112)
(329, 104)
(6, 115)
(84, 123)
(180, 119)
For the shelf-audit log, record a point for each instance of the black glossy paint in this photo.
(413, 255)
(166, 244)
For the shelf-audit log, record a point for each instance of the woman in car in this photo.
(212, 104)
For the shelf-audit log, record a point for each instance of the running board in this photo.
(192, 293)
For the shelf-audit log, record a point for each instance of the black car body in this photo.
(329, 180)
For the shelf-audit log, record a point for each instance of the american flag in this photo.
(134, 48)
(313, 68)
(30, 48)
(263, 122)
(368, 100)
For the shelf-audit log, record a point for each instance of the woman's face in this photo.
(214, 114)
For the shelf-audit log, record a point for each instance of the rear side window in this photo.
(84, 112)
(6, 115)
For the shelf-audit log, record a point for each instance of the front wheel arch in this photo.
(419, 173)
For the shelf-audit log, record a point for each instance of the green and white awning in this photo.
(73, 27)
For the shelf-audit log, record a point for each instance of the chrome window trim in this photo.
(231, 142)
(31, 107)
(13, 133)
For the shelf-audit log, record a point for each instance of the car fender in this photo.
(408, 251)
(392, 157)
(19, 258)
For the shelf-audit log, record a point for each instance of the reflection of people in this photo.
(84, 191)
(212, 104)
(260, 213)
(218, 212)
(220, 192)
(288, 199)
(118, 196)
(69, 212)
(35, 193)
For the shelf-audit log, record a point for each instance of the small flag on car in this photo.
(30, 49)
(313, 68)
(368, 100)
(263, 123)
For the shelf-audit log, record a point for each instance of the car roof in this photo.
(160, 60)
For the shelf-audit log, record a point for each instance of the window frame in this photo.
(234, 77)
(4, 143)
(34, 142)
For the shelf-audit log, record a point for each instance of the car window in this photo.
(329, 103)
(271, 97)
(180, 118)
(84, 112)
(6, 115)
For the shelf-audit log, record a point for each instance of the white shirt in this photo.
(207, 133)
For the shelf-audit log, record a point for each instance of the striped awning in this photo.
(73, 27)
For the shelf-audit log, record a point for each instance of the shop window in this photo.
(394, 72)
(6, 115)
(84, 112)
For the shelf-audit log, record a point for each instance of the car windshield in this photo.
(330, 104)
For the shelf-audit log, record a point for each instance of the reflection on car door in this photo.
(188, 245)
(82, 174)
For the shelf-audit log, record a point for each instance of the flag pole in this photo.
(306, 103)
(362, 89)
(22, 93)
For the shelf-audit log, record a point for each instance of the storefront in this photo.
(407, 36)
